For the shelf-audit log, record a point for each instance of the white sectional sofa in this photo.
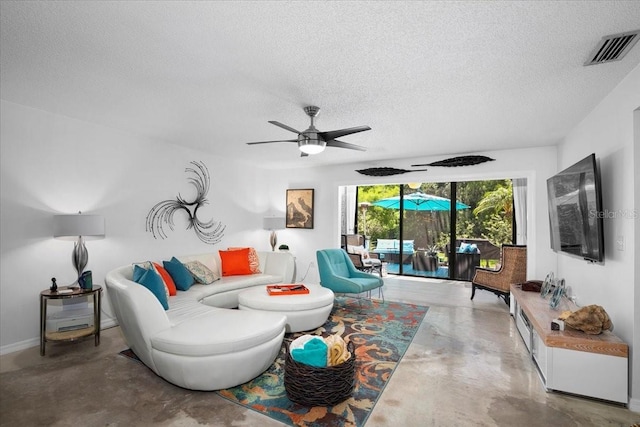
(199, 343)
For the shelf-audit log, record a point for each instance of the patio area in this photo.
(393, 268)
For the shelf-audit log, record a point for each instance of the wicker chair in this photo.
(513, 269)
(364, 261)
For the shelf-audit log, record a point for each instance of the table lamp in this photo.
(273, 223)
(80, 227)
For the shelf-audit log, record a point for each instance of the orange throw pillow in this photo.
(254, 261)
(235, 263)
(166, 278)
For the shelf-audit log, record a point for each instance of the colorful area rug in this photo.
(381, 333)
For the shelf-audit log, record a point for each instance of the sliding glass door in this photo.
(441, 230)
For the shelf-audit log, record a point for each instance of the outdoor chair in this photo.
(513, 269)
(362, 259)
(338, 273)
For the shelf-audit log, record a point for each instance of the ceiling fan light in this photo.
(311, 146)
(311, 149)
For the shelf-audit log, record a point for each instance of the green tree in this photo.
(497, 208)
(489, 215)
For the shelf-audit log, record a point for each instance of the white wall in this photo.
(608, 131)
(52, 164)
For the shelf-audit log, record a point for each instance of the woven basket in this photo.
(311, 386)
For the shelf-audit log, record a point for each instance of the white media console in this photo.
(571, 361)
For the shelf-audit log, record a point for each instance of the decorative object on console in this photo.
(532, 286)
(283, 247)
(592, 319)
(273, 223)
(558, 292)
(300, 208)
(549, 282)
(385, 171)
(54, 285)
(459, 161)
(209, 232)
(81, 227)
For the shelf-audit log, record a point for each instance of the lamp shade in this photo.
(70, 227)
(273, 223)
(80, 227)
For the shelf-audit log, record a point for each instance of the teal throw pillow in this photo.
(138, 272)
(152, 281)
(179, 273)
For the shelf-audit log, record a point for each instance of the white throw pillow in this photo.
(358, 250)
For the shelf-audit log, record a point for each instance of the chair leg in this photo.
(507, 299)
(473, 290)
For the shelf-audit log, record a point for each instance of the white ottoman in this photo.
(304, 311)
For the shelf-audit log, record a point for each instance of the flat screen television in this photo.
(575, 211)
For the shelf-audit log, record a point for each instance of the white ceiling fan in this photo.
(312, 141)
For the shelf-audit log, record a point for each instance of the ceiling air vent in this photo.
(613, 47)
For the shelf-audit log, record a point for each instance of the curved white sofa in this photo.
(199, 343)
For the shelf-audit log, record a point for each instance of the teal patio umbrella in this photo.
(419, 201)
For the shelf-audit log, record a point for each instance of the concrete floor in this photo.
(467, 366)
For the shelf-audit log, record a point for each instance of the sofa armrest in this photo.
(281, 264)
(139, 313)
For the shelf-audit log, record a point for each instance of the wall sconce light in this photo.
(80, 227)
(273, 223)
(414, 185)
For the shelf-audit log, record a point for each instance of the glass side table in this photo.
(72, 335)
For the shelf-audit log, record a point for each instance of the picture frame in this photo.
(300, 208)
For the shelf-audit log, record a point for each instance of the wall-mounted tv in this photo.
(575, 211)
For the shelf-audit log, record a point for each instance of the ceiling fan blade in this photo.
(283, 126)
(341, 144)
(269, 142)
(333, 134)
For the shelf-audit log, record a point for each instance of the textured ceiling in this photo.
(430, 78)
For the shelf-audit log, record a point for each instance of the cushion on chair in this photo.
(360, 250)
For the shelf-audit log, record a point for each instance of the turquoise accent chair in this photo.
(338, 273)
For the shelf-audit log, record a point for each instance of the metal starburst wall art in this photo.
(210, 232)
